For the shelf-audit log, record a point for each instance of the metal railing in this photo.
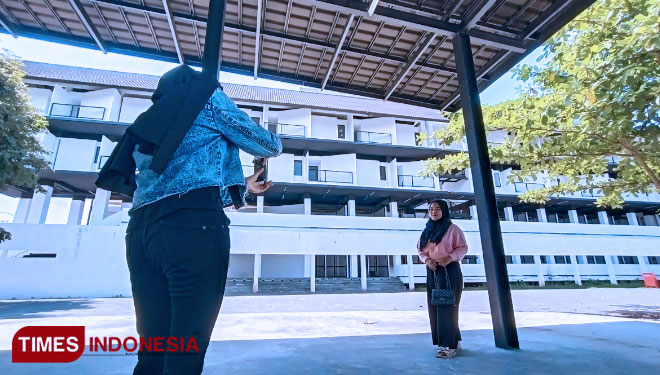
(326, 175)
(522, 187)
(294, 130)
(77, 111)
(373, 137)
(102, 160)
(416, 181)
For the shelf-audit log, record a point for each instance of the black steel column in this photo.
(213, 40)
(497, 277)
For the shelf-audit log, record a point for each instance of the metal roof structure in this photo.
(38, 72)
(433, 53)
(402, 53)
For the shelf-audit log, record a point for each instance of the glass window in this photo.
(562, 259)
(595, 259)
(297, 167)
(469, 259)
(96, 153)
(509, 259)
(496, 177)
(627, 260)
(313, 173)
(383, 173)
(341, 131)
(257, 120)
(654, 260)
(527, 259)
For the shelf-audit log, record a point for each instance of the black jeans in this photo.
(178, 267)
(444, 319)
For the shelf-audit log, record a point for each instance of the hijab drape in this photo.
(436, 229)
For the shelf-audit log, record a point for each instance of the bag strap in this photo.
(435, 277)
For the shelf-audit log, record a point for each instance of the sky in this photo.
(36, 50)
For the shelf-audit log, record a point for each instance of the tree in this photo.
(21, 155)
(593, 108)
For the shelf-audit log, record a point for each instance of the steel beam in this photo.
(338, 50)
(213, 40)
(497, 279)
(89, 25)
(268, 33)
(8, 25)
(172, 23)
(476, 16)
(416, 22)
(423, 46)
(257, 39)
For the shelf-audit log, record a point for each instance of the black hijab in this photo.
(178, 99)
(435, 230)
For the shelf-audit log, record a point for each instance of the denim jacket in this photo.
(208, 154)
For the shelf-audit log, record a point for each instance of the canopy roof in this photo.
(403, 52)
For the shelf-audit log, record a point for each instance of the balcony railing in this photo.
(522, 187)
(293, 130)
(416, 181)
(452, 177)
(77, 111)
(373, 137)
(326, 175)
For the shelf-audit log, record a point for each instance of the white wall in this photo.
(282, 266)
(368, 172)
(40, 99)
(90, 260)
(241, 266)
(324, 127)
(378, 125)
(131, 108)
(280, 169)
(75, 155)
(49, 142)
(405, 134)
(110, 99)
(302, 116)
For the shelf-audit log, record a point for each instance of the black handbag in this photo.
(441, 296)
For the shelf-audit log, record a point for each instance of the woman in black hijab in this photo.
(441, 247)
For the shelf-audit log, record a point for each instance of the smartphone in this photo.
(258, 164)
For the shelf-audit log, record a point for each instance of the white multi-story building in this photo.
(347, 201)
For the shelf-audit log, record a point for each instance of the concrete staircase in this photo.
(238, 287)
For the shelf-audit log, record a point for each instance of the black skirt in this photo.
(444, 319)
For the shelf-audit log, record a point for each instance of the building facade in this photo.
(347, 202)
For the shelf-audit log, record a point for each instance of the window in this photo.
(526, 259)
(509, 259)
(383, 173)
(96, 153)
(544, 259)
(654, 260)
(377, 266)
(562, 259)
(595, 259)
(417, 135)
(498, 181)
(297, 167)
(626, 259)
(341, 131)
(257, 120)
(313, 173)
(470, 259)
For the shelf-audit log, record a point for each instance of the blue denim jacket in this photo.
(208, 154)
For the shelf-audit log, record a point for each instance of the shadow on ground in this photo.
(598, 348)
(26, 309)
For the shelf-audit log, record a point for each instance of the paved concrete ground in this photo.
(604, 331)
